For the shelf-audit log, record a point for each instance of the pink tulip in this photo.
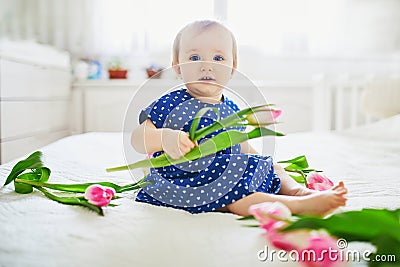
(292, 240)
(325, 249)
(315, 249)
(264, 211)
(264, 115)
(99, 195)
(318, 182)
(276, 113)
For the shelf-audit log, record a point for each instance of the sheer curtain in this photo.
(278, 27)
(99, 27)
(317, 28)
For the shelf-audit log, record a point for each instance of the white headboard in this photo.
(344, 102)
(381, 97)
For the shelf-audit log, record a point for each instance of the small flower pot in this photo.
(154, 73)
(117, 74)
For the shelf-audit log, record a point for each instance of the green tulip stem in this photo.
(301, 173)
(81, 188)
(70, 200)
(208, 147)
(215, 127)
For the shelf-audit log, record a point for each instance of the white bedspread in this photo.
(35, 231)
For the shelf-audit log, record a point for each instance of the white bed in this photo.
(35, 231)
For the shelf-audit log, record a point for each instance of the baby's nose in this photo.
(206, 67)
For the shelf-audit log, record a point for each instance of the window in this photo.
(277, 27)
(285, 26)
(128, 25)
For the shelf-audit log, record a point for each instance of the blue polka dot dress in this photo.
(208, 183)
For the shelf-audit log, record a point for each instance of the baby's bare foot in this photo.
(303, 191)
(339, 185)
(321, 203)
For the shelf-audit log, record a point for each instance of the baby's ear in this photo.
(233, 72)
(177, 68)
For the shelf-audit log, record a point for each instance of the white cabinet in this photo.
(34, 105)
(102, 105)
(104, 110)
(295, 99)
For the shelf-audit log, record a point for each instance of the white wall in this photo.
(353, 38)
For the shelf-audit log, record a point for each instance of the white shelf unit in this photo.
(34, 105)
(101, 105)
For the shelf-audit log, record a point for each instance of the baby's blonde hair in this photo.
(202, 25)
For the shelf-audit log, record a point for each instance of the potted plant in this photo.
(154, 71)
(116, 70)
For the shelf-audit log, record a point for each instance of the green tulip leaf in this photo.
(79, 188)
(23, 182)
(246, 218)
(251, 110)
(31, 162)
(386, 246)
(44, 174)
(298, 178)
(23, 188)
(310, 170)
(71, 201)
(355, 225)
(380, 227)
(210, 146)
(236, 119)
(297, 163)
(38, 176)
(197, 118)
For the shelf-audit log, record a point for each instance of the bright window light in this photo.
(130, 25)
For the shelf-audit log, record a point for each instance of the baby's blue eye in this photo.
(218, 58)
(194, 58)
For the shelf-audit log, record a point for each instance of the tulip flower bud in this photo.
(318, 181)
(99, 195)
(264, 115)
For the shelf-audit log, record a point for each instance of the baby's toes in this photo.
(341, 200)
(340, 191)
(339, 185)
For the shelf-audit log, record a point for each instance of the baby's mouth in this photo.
(207, 79)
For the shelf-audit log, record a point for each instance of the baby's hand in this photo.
(176, 143)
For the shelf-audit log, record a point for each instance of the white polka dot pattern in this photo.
(208, 183)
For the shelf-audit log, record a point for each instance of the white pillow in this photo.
(381, 97)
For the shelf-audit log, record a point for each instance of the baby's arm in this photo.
(146, 138)
(246, 148)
